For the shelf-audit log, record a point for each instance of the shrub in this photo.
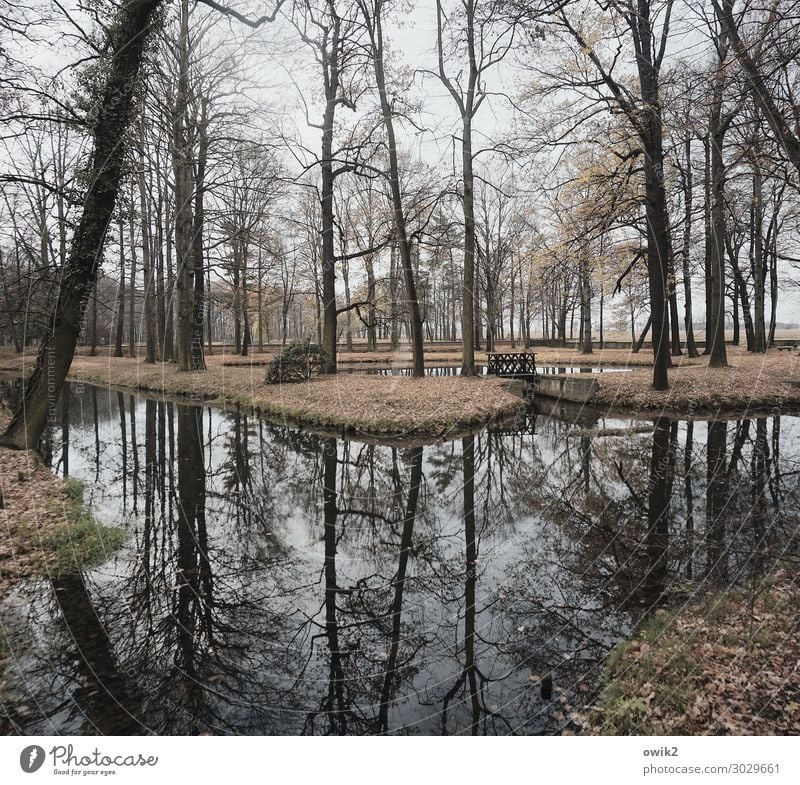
(295, 363)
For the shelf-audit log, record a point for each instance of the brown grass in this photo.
(450, 355)
(400, 406)
(749, 381)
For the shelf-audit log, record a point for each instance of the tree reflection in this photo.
(391, 678)
(281, 581)
(716, 500)
(662, 471)
(469, 675)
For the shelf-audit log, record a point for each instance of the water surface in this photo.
(278, 581)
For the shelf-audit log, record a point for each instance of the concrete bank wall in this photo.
(574, 388)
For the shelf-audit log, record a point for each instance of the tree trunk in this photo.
(638, 345)
(93, 330)
(758, 263)
(657, 255)
(330, 66)
(707, 265)
(674, 320)
(198, 227)
(394, 334)
(182, 164)
(659, 247)
(149, 316)
(398, 211)
(691, 348)
(246, 335)
(773, 292)
(260, 326)
(128, 37)
(586, 308)
(121, 309)
(132, 293)
(372, 342)
(716, 338)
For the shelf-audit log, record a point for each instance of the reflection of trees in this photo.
(470, 673)
(80, 682)
(717, 499)
(278, 581)
(394, 666)
(662, 471)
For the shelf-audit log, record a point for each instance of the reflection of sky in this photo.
(539, 605)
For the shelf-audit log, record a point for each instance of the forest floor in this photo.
(728, 664)
(373, 406)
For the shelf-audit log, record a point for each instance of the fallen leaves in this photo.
(709, 673)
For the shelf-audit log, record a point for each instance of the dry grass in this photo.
(749, 381)
(449, 355)
(401, 406)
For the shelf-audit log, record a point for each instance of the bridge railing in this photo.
(512, 363)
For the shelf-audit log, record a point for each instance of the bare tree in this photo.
(479, 44)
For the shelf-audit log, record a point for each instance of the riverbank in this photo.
(726, 665)
(46, 527)
(47, 530)
(749, 382)
(377, 406)
(448, 356)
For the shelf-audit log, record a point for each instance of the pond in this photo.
(279, 581)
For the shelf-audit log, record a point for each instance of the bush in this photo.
(295, 363)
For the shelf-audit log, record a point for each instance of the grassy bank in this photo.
(47, 528)
(749, 381)
(728, 664)
(393, 406)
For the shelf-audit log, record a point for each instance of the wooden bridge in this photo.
(514, 365)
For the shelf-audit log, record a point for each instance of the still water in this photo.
(277, 581)
(455, 370)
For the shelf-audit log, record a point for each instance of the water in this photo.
(455, 370)
(277, 581)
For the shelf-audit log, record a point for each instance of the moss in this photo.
(81, 544)
(73, 489)
(81, 541)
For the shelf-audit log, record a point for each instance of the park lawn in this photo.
(434, 407)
